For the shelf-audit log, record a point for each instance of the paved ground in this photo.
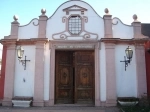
(59, 109)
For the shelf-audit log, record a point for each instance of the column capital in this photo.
(109, 46)
(15, 23)
(136, 24)
(107, 17)
(43, 18)
(40, 40)
(40, 44)
(139, 47)
(140, 41)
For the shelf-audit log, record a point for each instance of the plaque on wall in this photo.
(75, 46)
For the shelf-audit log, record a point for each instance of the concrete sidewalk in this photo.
(59, 109)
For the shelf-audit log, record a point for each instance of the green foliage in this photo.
(143, 106)
(135, 109)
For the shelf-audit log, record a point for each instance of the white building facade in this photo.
(74, 58)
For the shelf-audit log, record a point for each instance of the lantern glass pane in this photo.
(20, 52)
(129, 53)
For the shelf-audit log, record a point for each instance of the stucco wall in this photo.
(29, 31)
(121, 30)
(24, 79)
(126, 80)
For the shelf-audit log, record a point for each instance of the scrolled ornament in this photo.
(63, 36)
(87, 36)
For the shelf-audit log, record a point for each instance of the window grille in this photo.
(75, 25)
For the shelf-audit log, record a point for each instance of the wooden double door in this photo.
(75, 77)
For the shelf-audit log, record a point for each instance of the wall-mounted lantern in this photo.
(20, 52)
(129, 54)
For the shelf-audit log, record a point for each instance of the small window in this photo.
(75, 25)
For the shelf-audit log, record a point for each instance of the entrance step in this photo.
(74, 105)
(60, 109)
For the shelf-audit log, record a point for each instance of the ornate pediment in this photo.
(74, 8)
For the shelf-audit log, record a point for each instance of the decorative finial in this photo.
(43, 11)
(15, 17)
(106, 11)
(135, 17)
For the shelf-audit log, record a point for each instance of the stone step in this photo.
(52, 110)
(59, 109)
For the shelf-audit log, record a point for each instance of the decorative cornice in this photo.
(45, 40)
(125, 41)
(73, 41)
(8, 41)
(31, 41)
(25, 42)
(39, 39)
(7, 37)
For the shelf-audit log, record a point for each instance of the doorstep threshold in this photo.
(75, 105)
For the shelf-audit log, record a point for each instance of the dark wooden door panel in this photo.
(84, 77)
(64, 77)
(74, 77)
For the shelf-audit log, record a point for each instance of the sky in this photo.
(29, 9)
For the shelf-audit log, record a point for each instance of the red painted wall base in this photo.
(147, 59)
(2, 75)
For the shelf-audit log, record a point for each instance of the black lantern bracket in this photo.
(126, 62)
(24, 62)
(129, 54)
